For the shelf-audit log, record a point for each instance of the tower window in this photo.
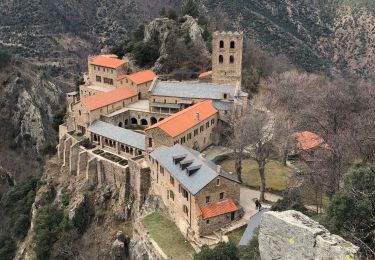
(231, 59)
(232, 45)
(221, 59)
(221, 44)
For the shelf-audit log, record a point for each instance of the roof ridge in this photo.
(177, 114)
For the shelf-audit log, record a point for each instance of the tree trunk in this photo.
(262, 176)
(238, 167)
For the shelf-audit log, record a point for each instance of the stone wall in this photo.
(292, 235)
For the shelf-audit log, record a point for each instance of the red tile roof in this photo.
(107, 98)
(142, 76)
(109, 61)
(186, 119)
(205, 74)
(219, 208)
(307, 140)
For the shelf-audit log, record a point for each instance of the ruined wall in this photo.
(292, 235)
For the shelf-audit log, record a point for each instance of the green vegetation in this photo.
(58, 118)
(235, 235)
(277, 175)
(251, 251)
(352, 210)
(17, 205)
(290, 200)
(7, 247)
(47, 226)
(223, 251)
(190, 7)
(168, 236)
(65, 197)
(5, 59)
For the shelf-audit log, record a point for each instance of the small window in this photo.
(225, 96)
(221, 195)
(207, 125)
(218, 182)
(207, 221)
(150, 144)
(232, 45)
(98, 79)
(171, 179)
(195, 132)
(221, 44)
(79, 112)
(189, 136)
(221, 59)
(207, 199)
(171, 195)
(186, 210)
(94, 68)
(161, 170)
(231, 59)
(212, 121)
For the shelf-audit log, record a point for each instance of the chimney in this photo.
(218, 168)
(197, 116)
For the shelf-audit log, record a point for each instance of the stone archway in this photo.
(134, 121)
(144, 122)
(120, 124)
(153, 120)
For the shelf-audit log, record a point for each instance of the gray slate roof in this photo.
(195, 182)
(118, 134)
(222, 105)
(193, 90)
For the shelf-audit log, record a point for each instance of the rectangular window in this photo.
(98, 79)
(207, 199)
(217, 181)
(202, 128)
(212, 121)
(195, 132)
(207, 221)
(183, 140)
(221, 195)
(161, 170)
(171, 195)
(171, 179)
(150, 142)
(185, 209)
(185, 194)
(189, 136)
(207, 125)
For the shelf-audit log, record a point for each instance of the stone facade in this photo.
(184, 207)
(198, 137)
(227, 57)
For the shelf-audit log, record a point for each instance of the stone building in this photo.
(227, 57)
(151, 130)
(89, 109)
(191, 127)
(198, 195)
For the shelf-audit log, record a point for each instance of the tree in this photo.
(223, 251)
(190, 7)
(47, 227)
(139, 33)
(258, 137)
(5, 59)
(7, 247)
(352, 210)
(145, 53)
(172, 14)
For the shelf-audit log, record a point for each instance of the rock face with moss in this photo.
(292, 235)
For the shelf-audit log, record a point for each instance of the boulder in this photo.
(293, 235)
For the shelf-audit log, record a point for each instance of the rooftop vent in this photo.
(186, 163)
(192, 169)
(178, 158)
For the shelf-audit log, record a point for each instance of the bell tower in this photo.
(227, 50)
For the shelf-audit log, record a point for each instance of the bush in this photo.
(172, 14)
(47, 227)
(145, 53)
(17, 205)
(190, 7)
(7, 247)
(223, 251)
(290, 200)
(5, 59)
(251, 251)
(87, 144)
(65, 197)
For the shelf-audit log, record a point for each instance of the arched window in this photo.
(120, 124)
(134, 121)
(185, 209)
(153, 120)
(231, 59)
(232, 45)
(79, 112)
(126, 121)
(221, 59)
(221, 44)
(144, 122)
(131, 151)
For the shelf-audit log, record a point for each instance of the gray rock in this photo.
(292, 235)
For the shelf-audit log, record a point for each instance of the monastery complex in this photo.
(147, 137)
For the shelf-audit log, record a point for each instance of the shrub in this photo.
(65, 197)
(7, 247)
(290, 200)
(47, 226)
(171, 14)
(223, 251)
(190, 7)
(145, 53)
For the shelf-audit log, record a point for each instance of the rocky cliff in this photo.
(292, 235)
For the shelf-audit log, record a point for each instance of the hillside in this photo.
(318, 36)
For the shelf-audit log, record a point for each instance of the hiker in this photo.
(258, 205)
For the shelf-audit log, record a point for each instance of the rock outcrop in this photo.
(292, 235)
